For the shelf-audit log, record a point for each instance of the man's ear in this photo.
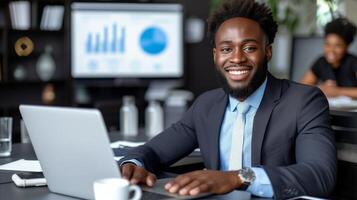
(214, 54)
(269, 52)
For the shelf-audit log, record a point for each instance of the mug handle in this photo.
(137, 192)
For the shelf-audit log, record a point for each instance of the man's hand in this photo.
(330, 88)
(203, 181)
(329, 82)
(137, 174)
(330, 91)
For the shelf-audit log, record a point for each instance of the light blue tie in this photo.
(236, 155)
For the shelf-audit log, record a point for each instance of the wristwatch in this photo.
(247, 177)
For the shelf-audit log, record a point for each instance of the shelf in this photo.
(10, 61)
(16, 93)
(32, 82)
(31, 89)
(40, 42)
(34, 55)
(35, 31)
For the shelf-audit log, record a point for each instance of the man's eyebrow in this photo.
(250, 40)
(243, 41)
(226, 42)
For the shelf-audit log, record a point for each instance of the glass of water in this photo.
(5, 136)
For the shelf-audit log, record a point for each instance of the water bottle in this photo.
(154, 121)
(176, 106)
(129, 117)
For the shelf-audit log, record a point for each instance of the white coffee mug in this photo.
(115, 189)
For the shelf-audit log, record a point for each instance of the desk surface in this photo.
(9, 191)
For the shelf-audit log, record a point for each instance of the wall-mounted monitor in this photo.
(124, 40)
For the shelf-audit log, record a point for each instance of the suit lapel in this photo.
(270, 99)
(215, 120)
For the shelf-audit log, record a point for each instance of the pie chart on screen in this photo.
(153, 40)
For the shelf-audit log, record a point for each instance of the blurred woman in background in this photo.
(336, 71)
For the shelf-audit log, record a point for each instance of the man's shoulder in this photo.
(211, 96)
(351, 57)
(296, 95)
(295, 89)
(320, 61)
(351, 60)
(299, 86)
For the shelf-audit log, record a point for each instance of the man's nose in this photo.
(238, 56)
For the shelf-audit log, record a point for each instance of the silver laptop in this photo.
(73, 148)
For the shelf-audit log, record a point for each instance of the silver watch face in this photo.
(247, 175)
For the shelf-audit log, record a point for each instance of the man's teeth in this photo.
(238, 72)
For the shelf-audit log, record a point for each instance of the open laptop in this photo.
(73, 148)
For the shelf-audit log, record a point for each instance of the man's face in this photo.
(335, 49)
(241, 54)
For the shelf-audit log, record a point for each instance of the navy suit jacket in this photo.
(292, 138)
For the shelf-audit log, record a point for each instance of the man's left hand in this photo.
(330, 91)
(204, 181)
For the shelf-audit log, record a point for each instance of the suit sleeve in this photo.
(314, 173)
(172, 144)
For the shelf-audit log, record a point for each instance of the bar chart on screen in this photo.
(110, 40)
(141, 40)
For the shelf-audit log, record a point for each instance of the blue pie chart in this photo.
(153, 40)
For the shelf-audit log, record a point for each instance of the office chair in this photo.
(344, 124)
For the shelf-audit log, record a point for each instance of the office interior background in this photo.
(74, 53)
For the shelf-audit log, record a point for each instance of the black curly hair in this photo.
(243, 8)
(343, 28)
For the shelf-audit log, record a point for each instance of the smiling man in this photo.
(268, 136)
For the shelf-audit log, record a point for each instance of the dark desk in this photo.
(9, 191)
(344, 124)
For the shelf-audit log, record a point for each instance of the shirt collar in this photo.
(253, 100)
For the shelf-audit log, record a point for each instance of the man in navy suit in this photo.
(288, 146)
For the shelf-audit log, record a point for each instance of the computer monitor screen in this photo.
(113, 40)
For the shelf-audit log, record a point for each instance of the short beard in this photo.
(242, 93)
